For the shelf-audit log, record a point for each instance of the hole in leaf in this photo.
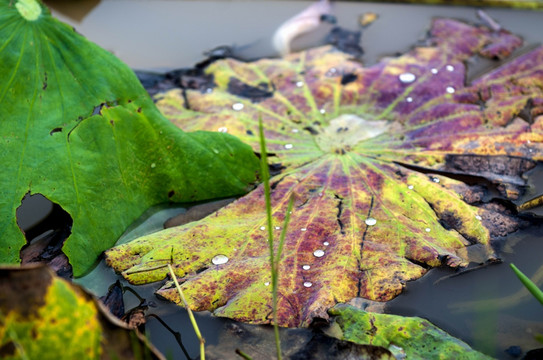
(348, 78)
(55, 130)
(46, 226)
(255, 94)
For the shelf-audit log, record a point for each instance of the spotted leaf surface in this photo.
(45, 317)
(374, 157)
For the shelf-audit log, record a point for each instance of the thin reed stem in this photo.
(191, 315)
(273, 265)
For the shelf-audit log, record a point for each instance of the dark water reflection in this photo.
(162, 35)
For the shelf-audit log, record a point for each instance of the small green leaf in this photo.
(415, 337)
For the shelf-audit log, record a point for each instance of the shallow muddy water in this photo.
(162, 35)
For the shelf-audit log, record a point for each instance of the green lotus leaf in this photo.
(78, 127)
(375, 158)
(45, 317)
(409, 337)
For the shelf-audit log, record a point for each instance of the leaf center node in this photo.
(347, 130)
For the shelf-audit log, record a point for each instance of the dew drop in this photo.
(267, 283)
(153, 165)
(407, 78)
(427, 229)
(295, 130)
(331, 72)
(303, 229)
(262, 228)
(370, 221)
(237, 106)
(436, 180)
(478, 217)
(306, 267)
(219, 260)
(410, 187)
(318, 253)
(409, 99)
(278, 228)
(222, 129)
(326, 243)
(299, 83)
(308, 284)
(322, 111)
(450, 89)
(288, 146)
(449, 68)
(434, 71)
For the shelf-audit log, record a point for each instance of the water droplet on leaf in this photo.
(222, 129)
(450, 89)
(237, 106)
(370, 221)
(407, 78)
(288, 146)
(318, 253)
(434, 71)
(449, 68)
(410, 187)
(427, 229)
(308, 284)
(262, 228)
(478, 217)
(409, 99)
(219, 260)
(306, 267)
(299, 83)
(326, 243)
(267, 283)
(303, 229)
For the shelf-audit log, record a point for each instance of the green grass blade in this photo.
(536, 292)
(191, 315)
(273, 265)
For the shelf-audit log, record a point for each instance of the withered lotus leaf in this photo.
(391, 167)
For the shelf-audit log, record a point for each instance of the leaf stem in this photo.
(191, 315)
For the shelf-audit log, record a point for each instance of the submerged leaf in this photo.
(409, 337)
(373, 157)
(77, 127)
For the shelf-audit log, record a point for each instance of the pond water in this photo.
(158, 35)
